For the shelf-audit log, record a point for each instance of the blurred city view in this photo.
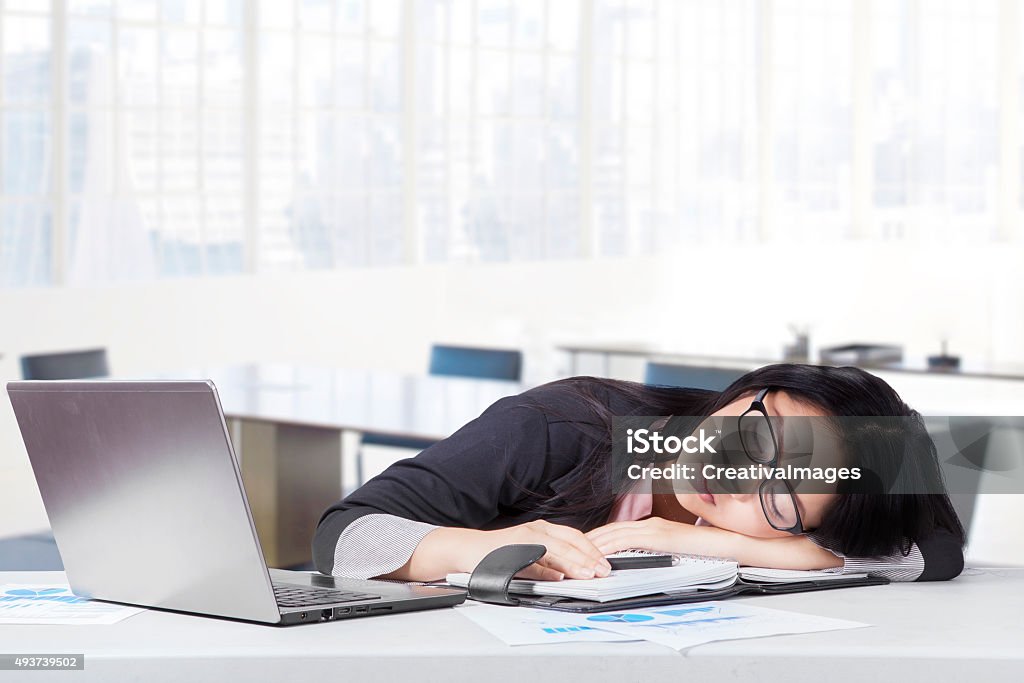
(147, 139)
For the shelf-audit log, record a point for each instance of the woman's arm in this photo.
(376, 545)
(655, 533)
(445, 550)
(937, 557)
(461, 481)
(389, 547)
(419, 518)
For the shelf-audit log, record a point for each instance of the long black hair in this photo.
(858, 522)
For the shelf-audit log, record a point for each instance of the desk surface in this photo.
(377, 401)
(967, 629)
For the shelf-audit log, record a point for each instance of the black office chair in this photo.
(467, 361)
(66, 365)
(691, 376)
(451, 361)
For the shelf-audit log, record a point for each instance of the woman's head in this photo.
(744, 512)
(857, 518)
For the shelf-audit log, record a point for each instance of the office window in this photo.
(180, 138)
(623, 148)
(705, 175)
(26, 145)
(936, 119)
(497, 129)
(154, 144)
(330, 139)
(811, 90)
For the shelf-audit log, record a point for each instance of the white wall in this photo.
(713, 298)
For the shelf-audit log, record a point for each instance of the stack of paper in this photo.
(766, 575)
(56, 604)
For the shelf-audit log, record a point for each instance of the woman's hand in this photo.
(446, 549)
(570, 554)
(653, 533)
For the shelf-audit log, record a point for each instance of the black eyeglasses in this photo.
(760, 444)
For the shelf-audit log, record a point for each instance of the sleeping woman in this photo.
(534, 468)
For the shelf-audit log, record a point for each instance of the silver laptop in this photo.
(147, 506)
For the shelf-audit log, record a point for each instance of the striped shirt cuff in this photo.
(895, 567)
(377, 544)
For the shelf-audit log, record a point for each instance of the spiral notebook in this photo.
(693, 578)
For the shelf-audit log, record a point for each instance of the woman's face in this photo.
(742, 513)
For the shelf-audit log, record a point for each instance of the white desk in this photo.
(967, 629)
(367, 401)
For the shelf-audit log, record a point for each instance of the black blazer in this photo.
(493, 471)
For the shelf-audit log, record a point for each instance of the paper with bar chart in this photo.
(678, 627)
(56, 604)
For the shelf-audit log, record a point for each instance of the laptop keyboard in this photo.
(299, 596)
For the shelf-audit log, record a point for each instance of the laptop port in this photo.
(362, 609)
(380, 609)
(344, 610)
(302, 616)
(326, 614)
